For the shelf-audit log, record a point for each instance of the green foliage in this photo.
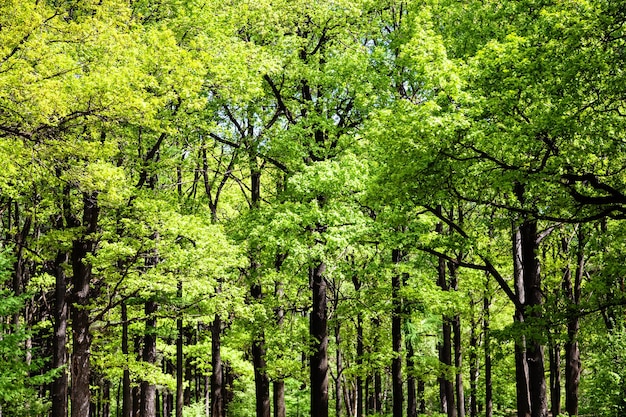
(19, 380)
(606, 391)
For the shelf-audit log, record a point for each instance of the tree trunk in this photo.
(360, 350)
(474, 367)
(279, 399)
(261, 380)
(217, 377)
(279, 384)
(180, 360)
(487, 347)
(411, 394)
(79, 311)
(446, 386)
(458, 359)
(534, 301)
(378, 393)
(521, 365)
(572, 351)
(59, 355)
(338, 361)
(555, 378)
(148, 390)
(319, 335)
(127, 399)
(396, 338)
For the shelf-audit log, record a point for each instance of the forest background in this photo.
(333, 208)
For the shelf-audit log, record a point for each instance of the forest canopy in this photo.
(332, 208)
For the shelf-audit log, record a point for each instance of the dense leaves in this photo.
(328, 208)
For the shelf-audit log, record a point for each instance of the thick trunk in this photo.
(261, 380)
(534, 301)
(217, 377)
(521, 365)
(279, 399)
(572, 376)
(446, 385)
(148, 390)
(79, 311)
(396, 339)
(59, 355)
(319, 335)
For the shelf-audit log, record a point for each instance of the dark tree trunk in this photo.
(521, 365)
(474, 367)
(447, 392)
(261, 380)
(487, 346)
(360, 350)
(411, 394)
(446, 386)
(148, 390)
(180, 360)
(279, 384)
(421, 394)
(59, 355)
(338, 361)
(127, 399)
(79, 311)
(378, 393)
(396, 339)
(458, 359)
(217, 377)
(555, 379)
(279, 399)
(106, 398)
(319, 335)
(572, 351)
(534, 301)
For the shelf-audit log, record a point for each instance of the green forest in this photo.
(331, 208)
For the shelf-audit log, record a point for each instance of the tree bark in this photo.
(217, 377)
(279, 384)
(487, 347)
(127, 399)
(555, 378)
(148, 390)
(338, 361)
(261, 380)
(59, 356)
(360, 351)
(572, 350)
(396, 339)
(319, 335)
(180, 360)
(474, 366)
(446, 385)
(521, 365)
(533, 309)
(411, 385)
(79, 311)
